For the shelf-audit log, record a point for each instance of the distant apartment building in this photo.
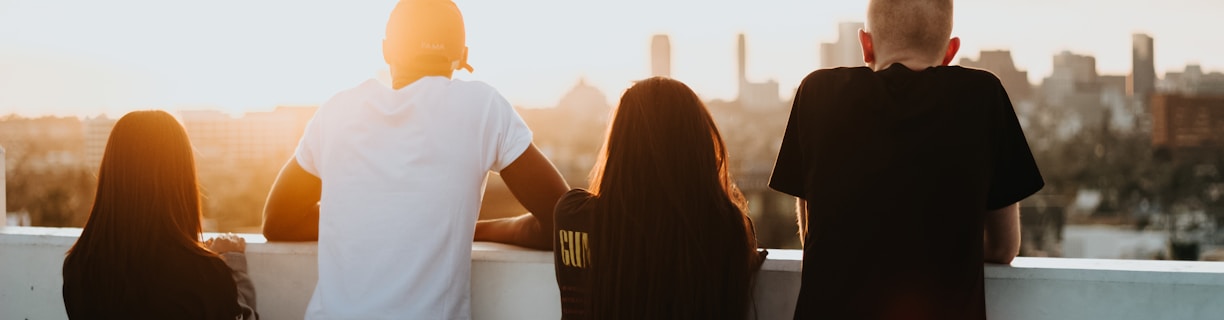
(1185, 126)
(1073, 90)
(660, 56)
(1192, 81)
(1074, 77)
(97, 132)
(845, 51)
(256, 136)
(754, 95)
(41, 144)
(1001, 64)
(1083, 99)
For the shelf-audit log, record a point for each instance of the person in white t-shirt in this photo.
(389, 180)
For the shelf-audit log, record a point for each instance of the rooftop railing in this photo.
(514, 283)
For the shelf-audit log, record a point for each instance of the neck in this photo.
(403, 77)
(911, 62)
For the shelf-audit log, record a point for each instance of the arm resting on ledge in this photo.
(1001, 234)
(292, 210)
(537, 185)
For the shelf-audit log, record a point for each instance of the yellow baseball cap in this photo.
(428, 30)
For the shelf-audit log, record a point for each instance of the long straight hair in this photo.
(147, 202)
(673, 240)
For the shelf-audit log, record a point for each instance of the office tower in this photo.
(754, 95)
(1142, 80)
(660, 56)
(741, 62)
(846, 51)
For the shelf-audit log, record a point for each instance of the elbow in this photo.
(277, 231)
(282, 223)
(274, 232)
(1001, 255)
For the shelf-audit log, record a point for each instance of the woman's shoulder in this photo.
(573, 204)
(573, 200)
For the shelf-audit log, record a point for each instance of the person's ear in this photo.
(463, 64)
(868, 47)
(953, 46)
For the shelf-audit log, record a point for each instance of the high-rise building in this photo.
(846, 51)
(741, 58)
(754, 95)
(1142, 80)
(1001, 64)
(660, 56)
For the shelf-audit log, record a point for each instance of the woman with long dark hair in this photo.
(139, 255)
(663, 233)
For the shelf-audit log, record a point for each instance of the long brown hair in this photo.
(673, 240)
(148, 199)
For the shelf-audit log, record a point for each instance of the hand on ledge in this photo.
(224, 243)
(523, 230)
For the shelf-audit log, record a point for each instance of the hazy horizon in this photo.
(74, 57)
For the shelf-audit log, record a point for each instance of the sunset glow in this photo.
(73, 57)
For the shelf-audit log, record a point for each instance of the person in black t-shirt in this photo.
(663, 233)
(908, 174)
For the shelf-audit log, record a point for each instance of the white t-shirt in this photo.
(403, 175)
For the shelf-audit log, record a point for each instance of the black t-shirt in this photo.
(898, 168)
(571, 257)
(181, 285)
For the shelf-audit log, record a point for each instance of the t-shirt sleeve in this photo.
(307, 151)
(569, 205)
(788, 173)
(1014, 174)
(512, 135)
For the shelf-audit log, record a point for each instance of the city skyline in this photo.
(70, 57)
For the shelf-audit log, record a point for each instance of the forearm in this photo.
(246, 289)
(524, 230)
(1001, 235)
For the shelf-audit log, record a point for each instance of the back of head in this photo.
(672, 240)
(426, 35)
(910, 27)
(147, 199)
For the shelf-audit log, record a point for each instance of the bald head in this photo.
(918, 28)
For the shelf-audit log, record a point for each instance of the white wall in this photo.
(513, 283)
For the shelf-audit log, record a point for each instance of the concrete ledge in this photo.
(509, 282)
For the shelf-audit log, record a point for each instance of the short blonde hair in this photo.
(915, 26)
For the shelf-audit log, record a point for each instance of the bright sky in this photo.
(89, 57)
